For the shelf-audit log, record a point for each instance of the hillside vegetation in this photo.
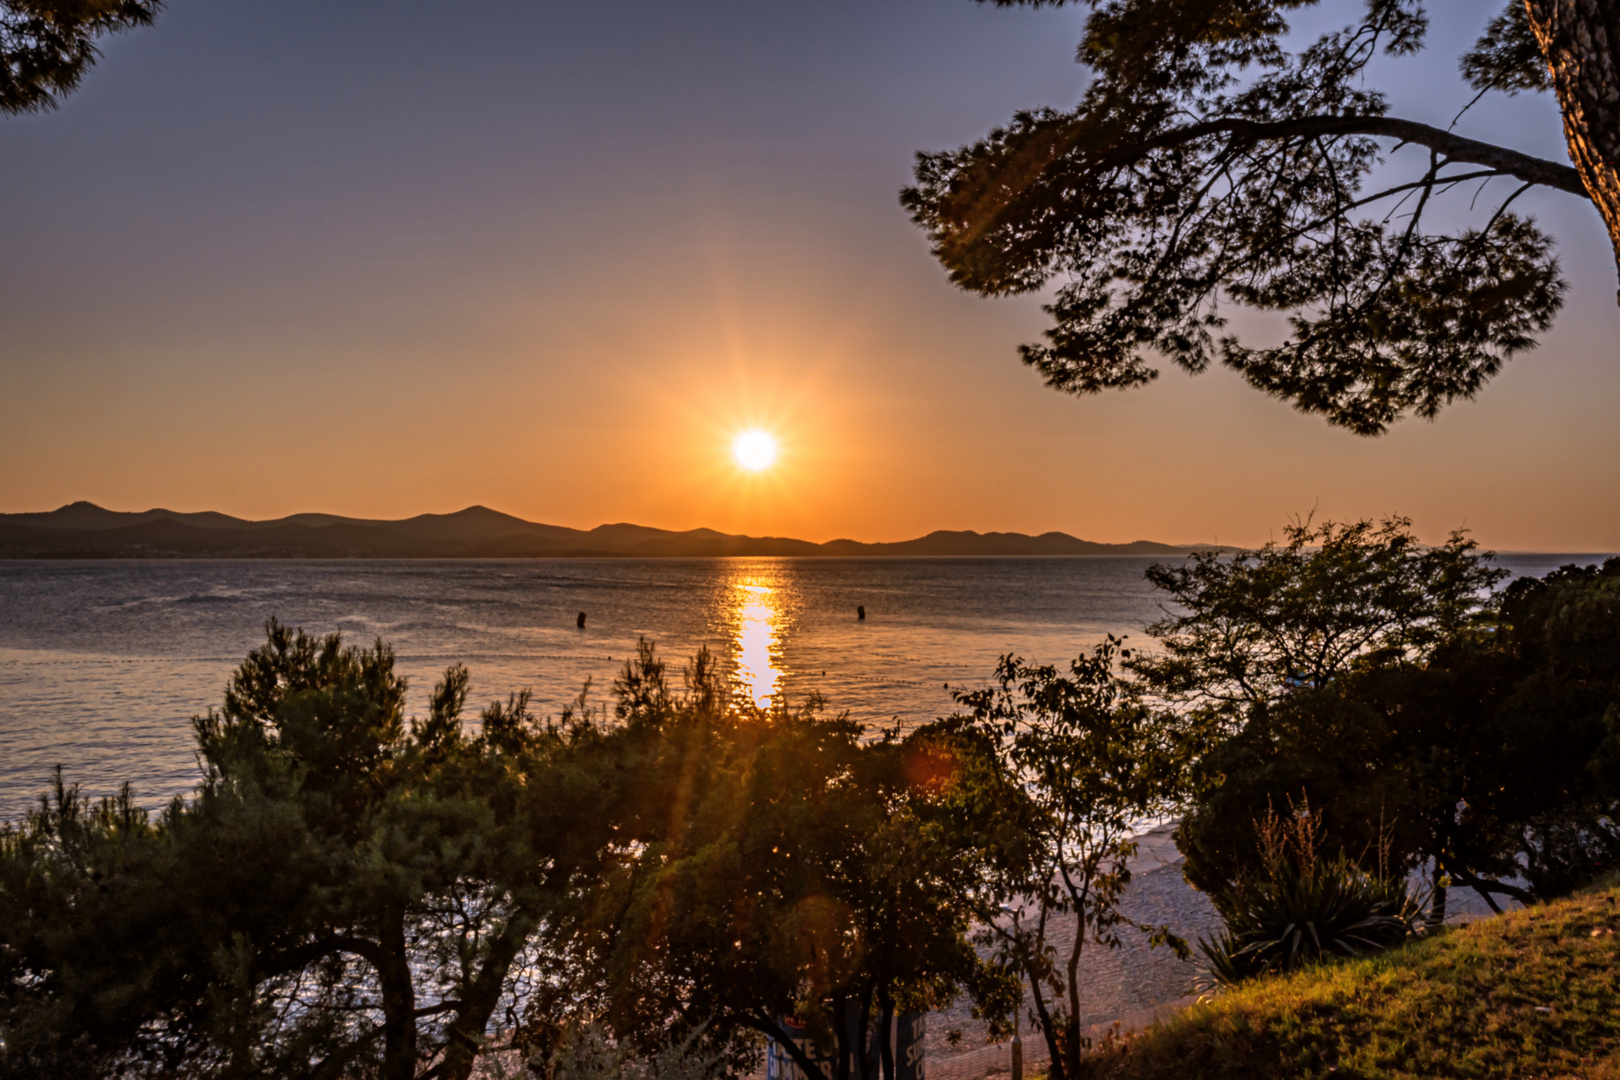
(1535, 993)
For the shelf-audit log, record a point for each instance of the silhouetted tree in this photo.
(785, 867)
(1422, 717)
(46, 46)
(1082, 762)
(349, 894)
(1207, 164)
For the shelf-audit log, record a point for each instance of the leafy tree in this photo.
(1256, 626)
(1563, 717)
(348, 894)
(1424, 719)
(1293, 660)
(1208, 164)
(1407, 761)
(588, 1052)
(46, 46)
(1093, 761)
(785, 867)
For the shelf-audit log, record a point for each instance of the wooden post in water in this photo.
(581, 621)
(860, 611)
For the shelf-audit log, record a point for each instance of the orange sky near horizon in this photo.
(327, 317)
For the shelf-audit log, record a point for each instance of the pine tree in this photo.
(1207, 164)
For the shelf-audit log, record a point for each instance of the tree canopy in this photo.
(1425, 717)
(348, 894)
(46, 46)
(1214, 161)
(352, 893)
(1080, 762)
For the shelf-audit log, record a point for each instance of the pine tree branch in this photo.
(1454, 148)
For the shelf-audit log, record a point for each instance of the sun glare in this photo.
(754, 450)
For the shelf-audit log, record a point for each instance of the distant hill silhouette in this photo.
(83, 530)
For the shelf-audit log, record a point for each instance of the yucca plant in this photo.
(1305, 908)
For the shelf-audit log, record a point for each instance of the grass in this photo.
(1535, 993)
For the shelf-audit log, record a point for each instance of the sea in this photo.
(104, 663)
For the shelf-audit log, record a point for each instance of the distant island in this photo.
(84, 530)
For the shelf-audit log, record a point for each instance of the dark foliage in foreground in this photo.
(1414, 712)
(348, 894)
(352, 893)
(1299, 908)
(1212, 162)
(1085, 758)
(46, 46)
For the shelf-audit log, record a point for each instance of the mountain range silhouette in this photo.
(84, 530)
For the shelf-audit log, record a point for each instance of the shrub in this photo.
(1306, 908)
(590, 1053)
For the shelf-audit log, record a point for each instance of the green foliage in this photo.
(1081, 761)
(590, 1053)
(782, 866)
(1563, 720)
(1506, 57)
(355, 893)
(67, 867)
(1532, 994)
(348, 894)
(1256, 627)
(46, 46)
(1304, 908)
(1206, 165)
(1381, 681)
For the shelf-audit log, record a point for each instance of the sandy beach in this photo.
(1131, 985)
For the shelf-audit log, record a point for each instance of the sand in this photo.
(1129, 986)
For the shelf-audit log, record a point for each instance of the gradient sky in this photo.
(384, 258)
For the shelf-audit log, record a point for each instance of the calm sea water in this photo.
(103, 663)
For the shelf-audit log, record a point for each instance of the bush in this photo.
(591, 1053)
(1306, 908)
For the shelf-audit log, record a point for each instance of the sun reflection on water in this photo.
(757, 616)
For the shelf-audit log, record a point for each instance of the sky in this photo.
(381, 259)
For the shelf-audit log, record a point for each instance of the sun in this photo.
(754, 450)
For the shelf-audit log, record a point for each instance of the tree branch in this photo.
(1452, 147)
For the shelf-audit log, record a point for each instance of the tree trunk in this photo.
(480, 997)
(886, 1031)
(1579, 38)
(841, 1047)
(1048, 1023)
(398, 999)
(864, 1044)
(1072, 1048)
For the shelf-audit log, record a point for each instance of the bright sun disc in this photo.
(754, 450)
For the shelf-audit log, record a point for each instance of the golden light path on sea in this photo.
(757, 617)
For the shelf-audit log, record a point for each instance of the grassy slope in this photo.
(1532, 994)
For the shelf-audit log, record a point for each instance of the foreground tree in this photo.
(1206, 164)
(1424, 718)
(1082, 762)
(349, 893)
(785, 867)
(1562, 632)
(46, 46)
(1254, 627)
